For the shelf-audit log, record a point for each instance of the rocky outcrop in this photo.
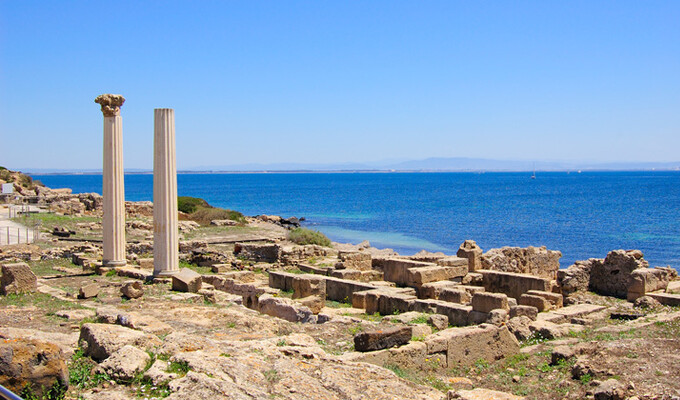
(576, 278)
(35, 363)
(538, 261)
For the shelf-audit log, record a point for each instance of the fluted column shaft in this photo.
(113, 188)
(165, 227)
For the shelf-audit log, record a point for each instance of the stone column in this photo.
(113, 189)
(165, 227)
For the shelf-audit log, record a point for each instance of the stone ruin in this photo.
(496, 305)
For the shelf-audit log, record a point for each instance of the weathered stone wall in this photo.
(538, 261)
(512, 284)
(612, 276)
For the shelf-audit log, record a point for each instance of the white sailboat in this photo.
(534, 175)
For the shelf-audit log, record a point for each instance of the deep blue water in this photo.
(583, 215)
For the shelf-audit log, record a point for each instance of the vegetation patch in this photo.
(304, 236)
(200, 211)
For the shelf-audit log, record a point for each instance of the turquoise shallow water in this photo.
(583, 215)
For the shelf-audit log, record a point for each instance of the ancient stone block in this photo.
(541, 303)
(187, 280)
(482, 394)
(281, 280)
(308, 285)
(458, 314)
(416, 277)
(433, 290)
(485, 302)
(527, 311)
(438, 321)
(353, 274)
(644, 280)
(356, 260)
(455, 296)
(285, 309)
(512, 284)
(132, 289)
(537, 261)
(612, 276)
(220, 268)
(396, 269)
(88, 291)
(341, 289)
(314, 303)
(17, 278)
(576, 278)
(473, 253)
(382, 339)
(465, 346)
(556, 300)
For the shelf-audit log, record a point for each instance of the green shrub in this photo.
(190, 204)
(200, 211)
(306, 236)
(204, 215)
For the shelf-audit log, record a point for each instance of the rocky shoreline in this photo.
(254, 315)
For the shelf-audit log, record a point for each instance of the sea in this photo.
(583, 215)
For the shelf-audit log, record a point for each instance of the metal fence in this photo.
(14, 235)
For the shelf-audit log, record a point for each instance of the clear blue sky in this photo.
(321, 81)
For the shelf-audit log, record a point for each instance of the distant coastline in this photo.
(429, 165)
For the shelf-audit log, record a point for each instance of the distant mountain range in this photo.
(452, 164)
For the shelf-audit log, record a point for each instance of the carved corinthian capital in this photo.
(110, 104)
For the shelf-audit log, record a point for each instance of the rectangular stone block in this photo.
(433, 290)
(458, 314)
(17, 278)
(416, 277)
(556, 300)
(396, 269)
(541, 303)
(485, 302)
(356, 260)
(281, 280)
(341, 289)
(308, 285)
(382, 339)
(487, 342)
(645, 280)
(312, 269)
(513, 284)
(455, 295)
(353, 274)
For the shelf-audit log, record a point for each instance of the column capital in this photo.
(110, 103)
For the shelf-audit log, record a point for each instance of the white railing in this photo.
(15, 235)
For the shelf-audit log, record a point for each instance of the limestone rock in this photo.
(438, 321)
(285, 309)
(519, 326)
(132, 289)
(644, 280)
(561, 353)
(99, 341)
(497, 317)
(187, 280)
(88, 291)
(611, 389)
(314, 303)
(646, 302)
(382, 339)
(31, 362)
(158, 374)
(125, 363)
(17, 278)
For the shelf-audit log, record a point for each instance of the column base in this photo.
(114, 263)
(165, 273)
